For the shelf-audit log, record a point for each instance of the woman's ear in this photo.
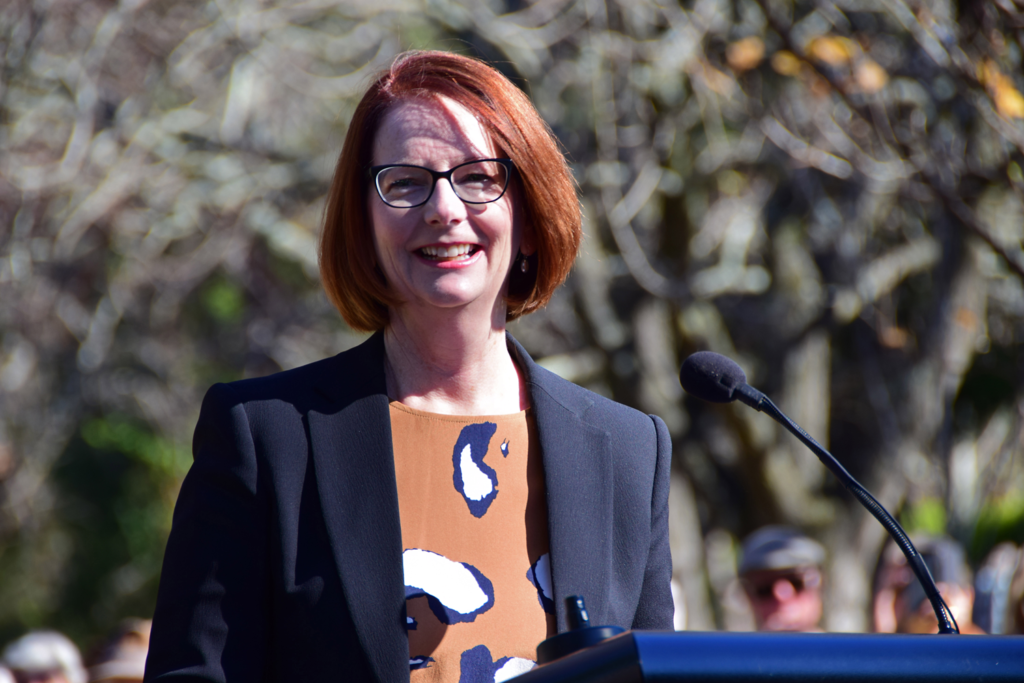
(527, 245)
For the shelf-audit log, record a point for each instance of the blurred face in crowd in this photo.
(786, 599)
(922, 619)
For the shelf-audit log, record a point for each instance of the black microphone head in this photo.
(711, 376)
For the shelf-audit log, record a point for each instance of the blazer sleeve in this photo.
(656, 609)
(211, 620)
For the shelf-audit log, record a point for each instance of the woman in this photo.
(421, 504)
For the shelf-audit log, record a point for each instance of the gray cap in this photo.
(779, 547)
(45, 651)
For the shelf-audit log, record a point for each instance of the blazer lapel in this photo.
(578, 475)
(355, 473)
(351, 447)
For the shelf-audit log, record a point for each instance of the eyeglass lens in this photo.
(476, 182)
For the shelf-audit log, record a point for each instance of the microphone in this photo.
(712, 377)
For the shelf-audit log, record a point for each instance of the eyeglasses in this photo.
(404, 186)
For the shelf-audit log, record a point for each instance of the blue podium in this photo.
(697, 657)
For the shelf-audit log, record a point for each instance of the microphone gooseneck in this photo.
(713, 377)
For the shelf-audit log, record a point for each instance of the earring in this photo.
(524, 265)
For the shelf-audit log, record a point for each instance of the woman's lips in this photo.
(448, 253)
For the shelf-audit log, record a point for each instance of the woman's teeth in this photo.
(455, 251)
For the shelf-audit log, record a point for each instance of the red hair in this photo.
(546, 189)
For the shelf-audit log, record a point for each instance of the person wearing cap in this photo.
(780, 570)
(44, 657)
(999, 591)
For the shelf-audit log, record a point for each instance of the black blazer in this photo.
(285, 559)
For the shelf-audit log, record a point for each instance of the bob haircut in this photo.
(545, 187)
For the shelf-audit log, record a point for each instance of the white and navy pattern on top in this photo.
(473, 478)
(474, 528)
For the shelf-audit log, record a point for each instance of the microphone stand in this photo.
(758, 401)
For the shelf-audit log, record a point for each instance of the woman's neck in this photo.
(451, 367)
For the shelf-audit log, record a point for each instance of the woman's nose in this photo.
(444, 206)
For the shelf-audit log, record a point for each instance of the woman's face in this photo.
(445, 254)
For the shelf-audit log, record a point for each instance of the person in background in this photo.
(891, 576)
(781, 573)
(122, 659)
(945, 559)
(999, 591)
(44, 657)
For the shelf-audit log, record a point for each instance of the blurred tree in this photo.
(830, 192)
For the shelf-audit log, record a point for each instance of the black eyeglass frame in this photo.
(374, 174)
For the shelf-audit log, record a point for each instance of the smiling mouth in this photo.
(454, 252)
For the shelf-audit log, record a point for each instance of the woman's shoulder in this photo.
(283, 382)
(587, 405)
(357, 370)
(587, 423)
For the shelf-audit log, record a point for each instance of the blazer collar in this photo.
(578, 475)
(355, 474)
(354, 461)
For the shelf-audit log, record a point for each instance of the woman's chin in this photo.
(447, 300)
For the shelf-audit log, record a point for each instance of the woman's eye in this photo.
(403, 182)
(475, 176)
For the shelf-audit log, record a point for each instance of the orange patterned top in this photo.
(475, 539)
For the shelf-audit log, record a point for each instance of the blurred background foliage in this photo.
(830, 192)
